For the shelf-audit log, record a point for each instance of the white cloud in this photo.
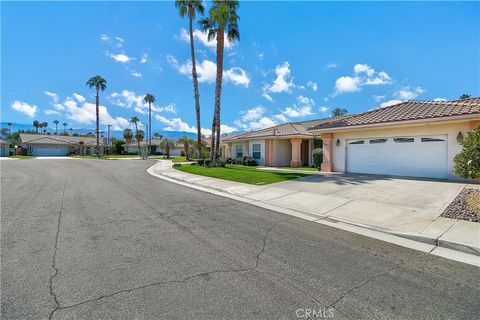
(331, 66)
(267, 96)
(52, 95)
(304, 108)
(284, 81)
(440, 99)
(347, 84)
(120, 41)
(260, 56)
(144, 58)
(122, 58)
(312, 85)
(168, 108)
(175, 124)
(378, 98)
(254, 119)
(323, 109)
(105, 37)
(363, 68)
(237, 76)
(50, 112)
(136, 74)
(207, 71)
(129, 99)
(408, 93)
(79, 97)
(202, 37)
(23, 107)
(390, 103)
(364, 75)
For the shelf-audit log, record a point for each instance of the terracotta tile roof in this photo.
(405, 111)
(282, 130)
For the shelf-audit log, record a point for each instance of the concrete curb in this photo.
(447, 249)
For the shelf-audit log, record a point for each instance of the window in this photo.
(375, 141)
(432, 140)
(239, 151)
(357, 142)
(256, 151)
(403, 140)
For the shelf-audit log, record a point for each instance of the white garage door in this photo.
(419, 156)
(50, 151)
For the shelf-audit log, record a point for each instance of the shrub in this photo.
(200, 162)
(219, 163)
(207, 162)
(467, 162)
(250, 162)
(229, 160)
(317, 155)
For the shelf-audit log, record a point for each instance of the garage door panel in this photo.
(406, 156)
(49, 151)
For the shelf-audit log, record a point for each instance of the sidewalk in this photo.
(429, 232)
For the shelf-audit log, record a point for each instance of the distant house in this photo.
(412, 138)
(5, 148)
(49, 145)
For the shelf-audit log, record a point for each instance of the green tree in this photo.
(465, 96)
(467, 162)
(191, 8)
(44, 126)
(338, 112)
(222, 17)
(128, 135)
(186, 141)
(36, 125)
(98, 83)
(135, 121)
(149, 98)
(56, 122)
(167, 145)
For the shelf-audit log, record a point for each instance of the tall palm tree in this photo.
(36, 124)
(9, 124)
(100, 84)
(222, 17)
(167, 144)
(65, 128)
(56, 125)
(44, 125)
(191, 7)
(338, 112)
(186, 141)
(465, 96)
(149, 98)
(135, 121)
(158, 135)
(71, 131)
(128, 135)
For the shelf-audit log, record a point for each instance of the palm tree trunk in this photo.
(195, 90)
(97, 110)
(218, 89)
(138, 141)
(149, 128)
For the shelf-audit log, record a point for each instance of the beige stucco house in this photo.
(413, 138)
(53, 145)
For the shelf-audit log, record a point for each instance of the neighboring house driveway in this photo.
(383, 201)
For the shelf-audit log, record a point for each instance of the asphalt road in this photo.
(102, 239)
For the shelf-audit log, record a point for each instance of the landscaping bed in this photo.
(466, 206)
(238, 173)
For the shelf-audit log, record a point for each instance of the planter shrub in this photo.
(467, 162)
(317, 155)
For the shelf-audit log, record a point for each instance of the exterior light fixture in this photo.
(460, 136)
(337, 142)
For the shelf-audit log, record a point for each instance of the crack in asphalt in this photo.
(163, 283)
(54, 257)
(334, 303)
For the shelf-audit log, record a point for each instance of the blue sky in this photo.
(295, 61)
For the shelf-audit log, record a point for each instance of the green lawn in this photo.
(178, 159)
(22, 157)
(241, 174)
(301, 168)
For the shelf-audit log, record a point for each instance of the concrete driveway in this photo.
(400, 204)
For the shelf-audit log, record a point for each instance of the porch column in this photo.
(247, 149)
(474, 124)
(327, 164)
(296, 152)
(268, 152)
(228, 150)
